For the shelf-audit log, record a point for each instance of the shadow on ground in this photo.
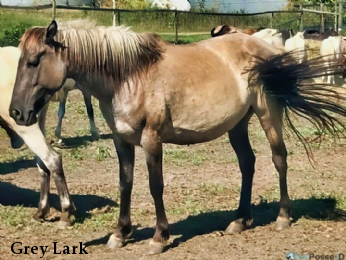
(11, 167)
(67, 143)
(73, 142)
(264, 214)
(12, 195)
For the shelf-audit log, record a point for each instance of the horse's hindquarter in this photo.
(204, 90)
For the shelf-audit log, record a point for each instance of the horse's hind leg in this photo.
(239, 139)
(271, 122)
(93, 129)
(61, 114)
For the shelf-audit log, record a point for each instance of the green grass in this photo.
(211, 188)
(102, 153)
(14, 216)
(183, 157)
(12, 155)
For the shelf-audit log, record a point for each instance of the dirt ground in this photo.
(202, 185)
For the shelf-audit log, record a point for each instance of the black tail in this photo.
(285, 79)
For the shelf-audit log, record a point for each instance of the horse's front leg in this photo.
(50, 163)
(152, 146)
(126, 157)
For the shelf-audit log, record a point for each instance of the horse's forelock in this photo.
(32, 37)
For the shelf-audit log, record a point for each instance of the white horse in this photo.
(179, 5)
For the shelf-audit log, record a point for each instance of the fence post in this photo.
(176, 25)
(301, 22)
(114, 14)
(118, 18)
(340, 13)
(53, 9)
(271, 20)
(322, 18)
(336, 16)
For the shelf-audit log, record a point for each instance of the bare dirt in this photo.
(202, 184)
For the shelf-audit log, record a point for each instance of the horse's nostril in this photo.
(31, 117)
(16, 114)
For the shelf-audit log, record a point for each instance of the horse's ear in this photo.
(52, 30)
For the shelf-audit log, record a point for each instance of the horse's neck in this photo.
(102, 89)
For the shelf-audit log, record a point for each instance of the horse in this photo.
(61, 97)
(274, 37)
(319, 36)
(48, 161)
(297, 42)
(152, 92)
(227, 29)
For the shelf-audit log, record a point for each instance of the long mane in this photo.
(111, 52)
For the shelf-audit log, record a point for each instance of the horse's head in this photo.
(41, 72)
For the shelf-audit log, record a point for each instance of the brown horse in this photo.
(152, 92)
(227, 29)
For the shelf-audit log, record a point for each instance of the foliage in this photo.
(126, 4)
(314, 1)
(12, 35)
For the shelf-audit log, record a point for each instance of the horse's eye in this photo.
(33, 63)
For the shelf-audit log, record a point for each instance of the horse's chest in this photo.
(124, 127)
(128, 125)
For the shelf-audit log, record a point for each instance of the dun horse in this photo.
(152, 92)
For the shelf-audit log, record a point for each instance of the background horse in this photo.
(61, 97)
(152, 92)
(227, 29)
(48, 161)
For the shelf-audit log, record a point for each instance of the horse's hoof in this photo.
(282, 224)
(41, 214)
(155, 247)
(95, 136)
(234, 228)
(115, 242)
(63, 224)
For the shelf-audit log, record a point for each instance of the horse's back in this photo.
(205, 89)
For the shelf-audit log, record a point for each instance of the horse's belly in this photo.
(203, 131)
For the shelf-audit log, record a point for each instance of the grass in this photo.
(12, 155)
(14, 216)
(183, 157)
(102, 153)
(211, 188)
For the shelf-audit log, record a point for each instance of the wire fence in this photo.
(173, 26)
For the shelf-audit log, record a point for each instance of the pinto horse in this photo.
(152, 92)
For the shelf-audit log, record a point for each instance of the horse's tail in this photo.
(288, 81)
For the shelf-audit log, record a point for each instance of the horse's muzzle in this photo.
(27, 118)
